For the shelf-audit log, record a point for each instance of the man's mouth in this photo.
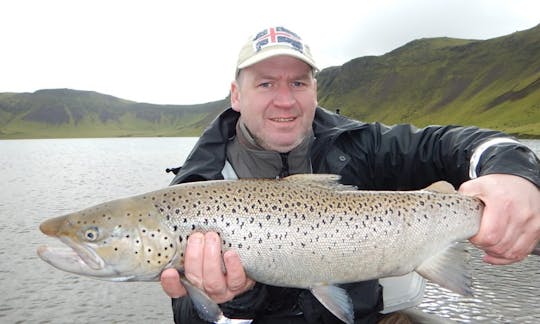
(283, 119)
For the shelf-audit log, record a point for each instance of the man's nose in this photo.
(284, 96)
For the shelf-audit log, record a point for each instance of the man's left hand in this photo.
(510, 225)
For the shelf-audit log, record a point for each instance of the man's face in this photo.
(276, 98)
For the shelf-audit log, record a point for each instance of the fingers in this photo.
(193, 259)
(237, 280)
(205, 266)
(214, 283)
(170, 282)
(495, 229)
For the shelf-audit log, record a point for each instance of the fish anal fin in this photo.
(442, 187)
(450, 269)
(206, 308)
(336, 300)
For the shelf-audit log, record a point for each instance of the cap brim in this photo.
(263, 55)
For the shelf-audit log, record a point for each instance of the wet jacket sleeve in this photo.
(510, 158)
(403, 157)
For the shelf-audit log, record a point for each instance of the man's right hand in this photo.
(203, 268)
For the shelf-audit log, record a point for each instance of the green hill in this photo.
(72, 113)
(493, 83)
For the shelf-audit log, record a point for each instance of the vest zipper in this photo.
(284, 165)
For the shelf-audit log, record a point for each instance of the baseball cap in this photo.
(274, 41)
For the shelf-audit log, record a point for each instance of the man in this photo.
(275, 128)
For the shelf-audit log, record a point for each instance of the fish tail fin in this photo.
(336, 300)
(450, 269)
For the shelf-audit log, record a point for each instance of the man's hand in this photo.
(510, 226)
(203, 267)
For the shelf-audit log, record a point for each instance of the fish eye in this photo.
(91, 234)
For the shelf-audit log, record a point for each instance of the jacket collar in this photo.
(206, 160)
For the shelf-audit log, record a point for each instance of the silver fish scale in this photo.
(292, 234)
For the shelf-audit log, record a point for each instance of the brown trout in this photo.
(303, 231)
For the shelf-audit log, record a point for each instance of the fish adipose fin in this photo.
(450, 269)
(206, 308)
(336, 300)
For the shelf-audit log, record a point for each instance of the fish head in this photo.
(122, 240)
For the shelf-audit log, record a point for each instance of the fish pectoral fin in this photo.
(450, 269)
(206, 308)
(336, 300)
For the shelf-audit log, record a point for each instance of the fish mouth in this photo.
(75, 258)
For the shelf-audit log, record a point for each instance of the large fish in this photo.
(303, 231)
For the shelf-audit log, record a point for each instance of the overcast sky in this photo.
(184, 52)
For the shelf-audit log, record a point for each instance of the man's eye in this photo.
(297, 84)
(265, 85)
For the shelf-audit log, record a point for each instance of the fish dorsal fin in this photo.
(324, 181)
(442, 187)
(336, 300)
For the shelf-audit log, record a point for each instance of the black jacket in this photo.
(370, 156)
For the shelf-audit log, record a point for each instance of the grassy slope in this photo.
(70, 113)
(492, 83)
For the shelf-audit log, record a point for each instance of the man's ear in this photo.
(235, 96)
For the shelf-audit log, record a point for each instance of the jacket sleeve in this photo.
(509, 158)
(404, 157)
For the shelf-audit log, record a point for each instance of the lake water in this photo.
(45, 178)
